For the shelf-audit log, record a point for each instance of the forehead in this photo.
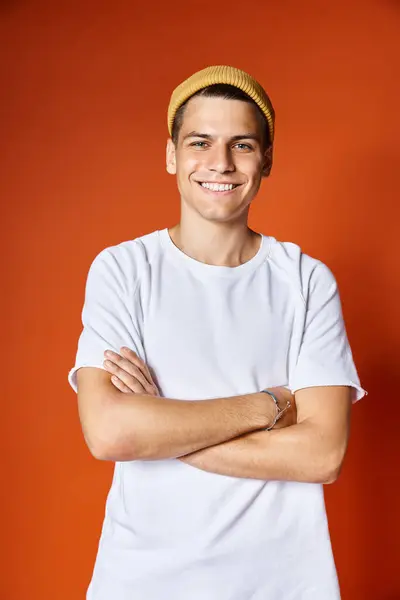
(220, 116)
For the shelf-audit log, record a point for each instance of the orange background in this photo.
(83, 120)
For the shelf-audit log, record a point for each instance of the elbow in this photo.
(109, 439)
(107, 447)
(330, 477)
(112, 453)
(98, 446)
(114, 450)
(332, 468)
(100, 452)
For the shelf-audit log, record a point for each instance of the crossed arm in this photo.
(222, 435)
(311, 450)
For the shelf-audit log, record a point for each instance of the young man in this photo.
(218, 485)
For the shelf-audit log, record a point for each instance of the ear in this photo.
(267, 162)
(171, 158)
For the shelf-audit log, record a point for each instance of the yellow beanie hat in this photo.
(222, 74)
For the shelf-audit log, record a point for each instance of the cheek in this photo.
(186, 169)
(195, 162)
(253, 173)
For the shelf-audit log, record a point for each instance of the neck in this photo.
(218, 244)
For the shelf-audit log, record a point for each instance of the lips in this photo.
(235, 186)
(219, 183)
(218, 193)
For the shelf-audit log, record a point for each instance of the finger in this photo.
(134, 366)
(134, 384)
(122, 366)
(120, 385)
(132, 356)
(137, 361)
(129, 381)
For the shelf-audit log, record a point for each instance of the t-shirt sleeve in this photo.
(325, 356)
(107, 317)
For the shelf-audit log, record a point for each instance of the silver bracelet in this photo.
(279, 411)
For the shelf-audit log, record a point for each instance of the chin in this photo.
(221, 214)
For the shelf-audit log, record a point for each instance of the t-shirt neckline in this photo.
(200, 268)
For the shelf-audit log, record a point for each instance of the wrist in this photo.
(283, 406)
(265, 410)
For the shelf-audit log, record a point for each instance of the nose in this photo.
(219, 159)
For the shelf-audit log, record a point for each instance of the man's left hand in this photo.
(129, 372)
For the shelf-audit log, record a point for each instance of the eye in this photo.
(196, 144)
(245, 146)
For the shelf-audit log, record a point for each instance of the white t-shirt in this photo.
(172, 531)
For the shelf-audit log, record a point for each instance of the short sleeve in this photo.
(325, 356)
(108, 322)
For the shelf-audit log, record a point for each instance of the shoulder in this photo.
(304, 272)
(127, 260)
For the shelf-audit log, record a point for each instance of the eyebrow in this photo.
(234, 138)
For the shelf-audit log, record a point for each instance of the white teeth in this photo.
(216, 187)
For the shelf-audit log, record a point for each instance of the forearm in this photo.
(295, 453)
(148, 427)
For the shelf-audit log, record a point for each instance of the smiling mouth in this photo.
(217, 188)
